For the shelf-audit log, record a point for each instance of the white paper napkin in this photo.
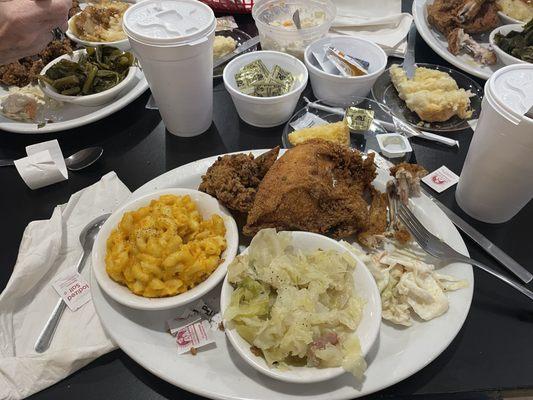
(44, 165)
(49, 247)
(380, 21)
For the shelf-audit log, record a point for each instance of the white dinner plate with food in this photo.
(69, 116)
(439, 44)
(219, 372)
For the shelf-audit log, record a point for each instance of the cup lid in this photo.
(511, 87)
(166, 22)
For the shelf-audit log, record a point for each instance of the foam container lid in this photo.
(168, 22)
(511, 88)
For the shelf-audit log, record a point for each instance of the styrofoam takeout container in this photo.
(338, 90)
(495, 182)
(265, 112)
(505, 57)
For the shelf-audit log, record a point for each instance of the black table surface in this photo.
(491, 356)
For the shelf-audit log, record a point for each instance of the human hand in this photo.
(26, 26)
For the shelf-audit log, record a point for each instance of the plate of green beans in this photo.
(92, 76)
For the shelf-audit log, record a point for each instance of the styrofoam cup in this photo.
(173, 41)
(337, 90)
(497, 177)
(265, 112)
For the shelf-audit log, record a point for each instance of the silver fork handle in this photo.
(521, 288)
(44, 339)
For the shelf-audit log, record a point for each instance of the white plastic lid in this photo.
(166, 22)
(511, 88)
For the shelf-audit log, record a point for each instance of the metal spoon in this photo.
(76, 161)
(87, 237)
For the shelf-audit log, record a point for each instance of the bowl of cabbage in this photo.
(300, 307)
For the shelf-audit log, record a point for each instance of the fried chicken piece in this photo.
(233, 179)
(25, 70)
(471, 16)
(317, 186)
(377, 220)
(407, 180)
(459, 40)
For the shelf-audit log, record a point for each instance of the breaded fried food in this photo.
(25, 70)
(233, 179)
(319, 186)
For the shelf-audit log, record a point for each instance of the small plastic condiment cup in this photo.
(337, 90)
(173, 39)
(496, 180)
(393, 145)
(265, 112)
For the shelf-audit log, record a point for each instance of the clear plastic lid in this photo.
(512, 88)
(166, 22)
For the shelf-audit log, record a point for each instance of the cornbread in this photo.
(433, 95)
(337, 132)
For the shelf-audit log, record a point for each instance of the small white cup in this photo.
(338, 90)
(265, 112)
(174, 42)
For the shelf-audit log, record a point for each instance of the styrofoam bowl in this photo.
(367, 331)
(506, 19)
(265, 112)
(505, 57)
(338, 90)
(207, 206)
(123, 44)
(91, 100)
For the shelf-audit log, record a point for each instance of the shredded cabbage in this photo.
(297, 308)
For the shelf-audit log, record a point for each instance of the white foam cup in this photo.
(497, 177)
(173, 40)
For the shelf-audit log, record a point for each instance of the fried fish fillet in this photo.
(320, 187)
(233, 179)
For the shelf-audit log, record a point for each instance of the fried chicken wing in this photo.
(320, 187)
(233, 179)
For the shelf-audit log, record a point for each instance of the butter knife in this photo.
(242, 48)
(409, 59)
(483, 242)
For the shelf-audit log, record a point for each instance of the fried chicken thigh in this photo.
(233, 179)
(320, 187)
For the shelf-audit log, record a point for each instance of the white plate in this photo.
(220, 373)
(72, 116)
(438, 43)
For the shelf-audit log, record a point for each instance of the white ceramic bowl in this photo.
(91, 100)
(339, 90)
(509, 20)
(265, 112)
(207, 206)
(123, 44)
(367, 331)
(505, 57)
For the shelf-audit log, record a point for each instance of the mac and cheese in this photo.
(165, 248)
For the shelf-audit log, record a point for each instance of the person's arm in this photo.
(26, 26)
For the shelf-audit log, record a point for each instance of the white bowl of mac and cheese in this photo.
(165, 249)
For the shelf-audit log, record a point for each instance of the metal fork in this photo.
(442, 251)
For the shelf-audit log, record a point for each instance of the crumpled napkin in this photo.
(47, 248)
(380, 21)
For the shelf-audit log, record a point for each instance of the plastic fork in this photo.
(442, 251)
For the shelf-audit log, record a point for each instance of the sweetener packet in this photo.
(194, 335)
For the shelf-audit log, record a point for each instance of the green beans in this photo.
(98, 70)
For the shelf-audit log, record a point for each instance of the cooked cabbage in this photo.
(297, 308)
